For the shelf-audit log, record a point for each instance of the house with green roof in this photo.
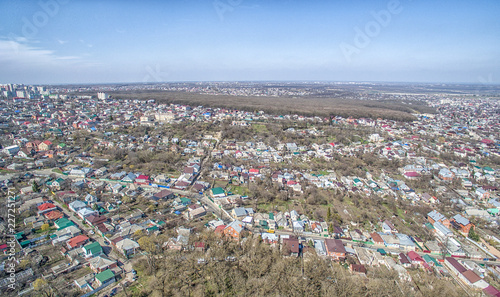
(217, 192)
(431, 261)
(105, 277)
(93, 249)
(63, 223)
(488, 170)
(185, 201)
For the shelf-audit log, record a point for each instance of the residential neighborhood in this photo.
(100, 185)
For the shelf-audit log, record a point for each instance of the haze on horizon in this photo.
(69, 41)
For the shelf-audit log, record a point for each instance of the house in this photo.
(77, 173)
(116, 188)
(101, 263)
(481, 193)
(105, 277)
(66, 233)
(442, 231)
(234, 229)
(89, 199)
(163, 194)
(217, 192)
(129, 178)
(404, 261)
(76, 205)
(435, 216)
(357, 269)
(241, 212)
(93, 249)
(33, 144)
(298, 226)
(127, 246)
(83, 283)
(462, 224)
(11, 150)
(53, 215)
(291, 247)
(83, 213)
(58, 183)
(95, 220)
(466, 276)
(377, 239)
(45, 146)
(46, 207)
(63, 223)
(161, 179)
(416, 259)
(335, 249)
(195, 212)
(101, 171)
(77, 241)
(26, 153)
(446, 175)
(142, 180)
(269, 238)
(135, 215)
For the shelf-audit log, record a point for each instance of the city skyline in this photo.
(63, 42)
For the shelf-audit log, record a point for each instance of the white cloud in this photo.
(26, 63)
(15, 52)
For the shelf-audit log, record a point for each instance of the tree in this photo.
(45, 227)
(40, 285)
(329, 215)
(35, 187)
(473, 235)
(330, 228)
(148, 244)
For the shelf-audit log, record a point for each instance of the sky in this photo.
(70, 41)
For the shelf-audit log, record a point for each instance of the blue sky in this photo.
(70, 41)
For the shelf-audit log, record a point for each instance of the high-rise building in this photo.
(102, 96)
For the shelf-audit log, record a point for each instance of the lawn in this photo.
(57, 171)
(259, 128)
(239, 190)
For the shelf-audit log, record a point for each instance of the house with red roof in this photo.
(53, 215)
(142, 180)
(291, 246)
(415, 258)
(45, 145)
(377, 239)
(219, 230)
(254, 171)
(335, 249)
(46, 207)
(491, 291)
(77, 241)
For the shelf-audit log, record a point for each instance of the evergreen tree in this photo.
(473, 235)
(35, 187)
